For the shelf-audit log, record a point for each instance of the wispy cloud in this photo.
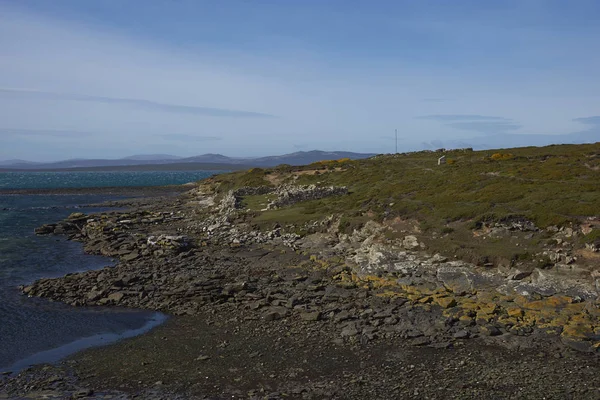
(5, 132)
(594, 120)
(486, 127)
(140, 103)
(483, 124)
(461, 117)
(179, 137)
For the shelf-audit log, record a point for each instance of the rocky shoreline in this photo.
(329, 295)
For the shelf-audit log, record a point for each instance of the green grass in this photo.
(592, 237)
(253, 177)
(290, 215)
(256, 203)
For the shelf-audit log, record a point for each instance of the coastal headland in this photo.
(438, 274)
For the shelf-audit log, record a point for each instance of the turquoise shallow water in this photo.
(36, 330)
(59, 180)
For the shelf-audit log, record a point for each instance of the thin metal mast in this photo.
(396, 130)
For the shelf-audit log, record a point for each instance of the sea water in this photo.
(34, 330)
(79, 179)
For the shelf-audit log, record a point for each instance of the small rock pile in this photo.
(291, 194)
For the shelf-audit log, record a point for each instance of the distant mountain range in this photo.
(15, 162)
(146, 157)
(298, 158)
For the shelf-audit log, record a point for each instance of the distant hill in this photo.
(149, 157)
(15, 162)
(211, 158)
(307, 157)
(160, 161)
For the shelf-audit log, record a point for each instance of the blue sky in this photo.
(249, 78)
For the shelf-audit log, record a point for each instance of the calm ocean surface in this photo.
(36, 330)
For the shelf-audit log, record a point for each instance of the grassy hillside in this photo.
(446, 204)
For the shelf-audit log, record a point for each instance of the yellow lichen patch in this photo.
(575, 321)
(483, 316)
(389, 293)
(413, 297)
(519, 300)
(543, 324)
(578, 331)
(552, 302)
(377, 282)
(548, 313)
(507, 320)
(537, 305)
(560, 301)
(445, 302)
(468, 304)
(321, 264)
(425, 307)
(410, 289)
(515, 312)
(529, 319)
(466, 320)
(560, 320)
(343, 277)
(426, 291)
(450, 312)
(440, 292)
(346, 285)
(575, 308)
(489, 296)
(580, 319)
(488, 308)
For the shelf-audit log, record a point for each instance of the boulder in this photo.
(310, 316)
(519, 275)
(77, 216)
(446, 302)
(462, 334)
(45, 229)
(349, 330)
(94, 295)
(131, 256)
(410, 242)
(115, 297)
(275, 313)
(456, 279)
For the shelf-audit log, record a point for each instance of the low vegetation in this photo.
(549, 186)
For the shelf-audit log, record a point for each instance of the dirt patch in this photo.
(589, 256)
